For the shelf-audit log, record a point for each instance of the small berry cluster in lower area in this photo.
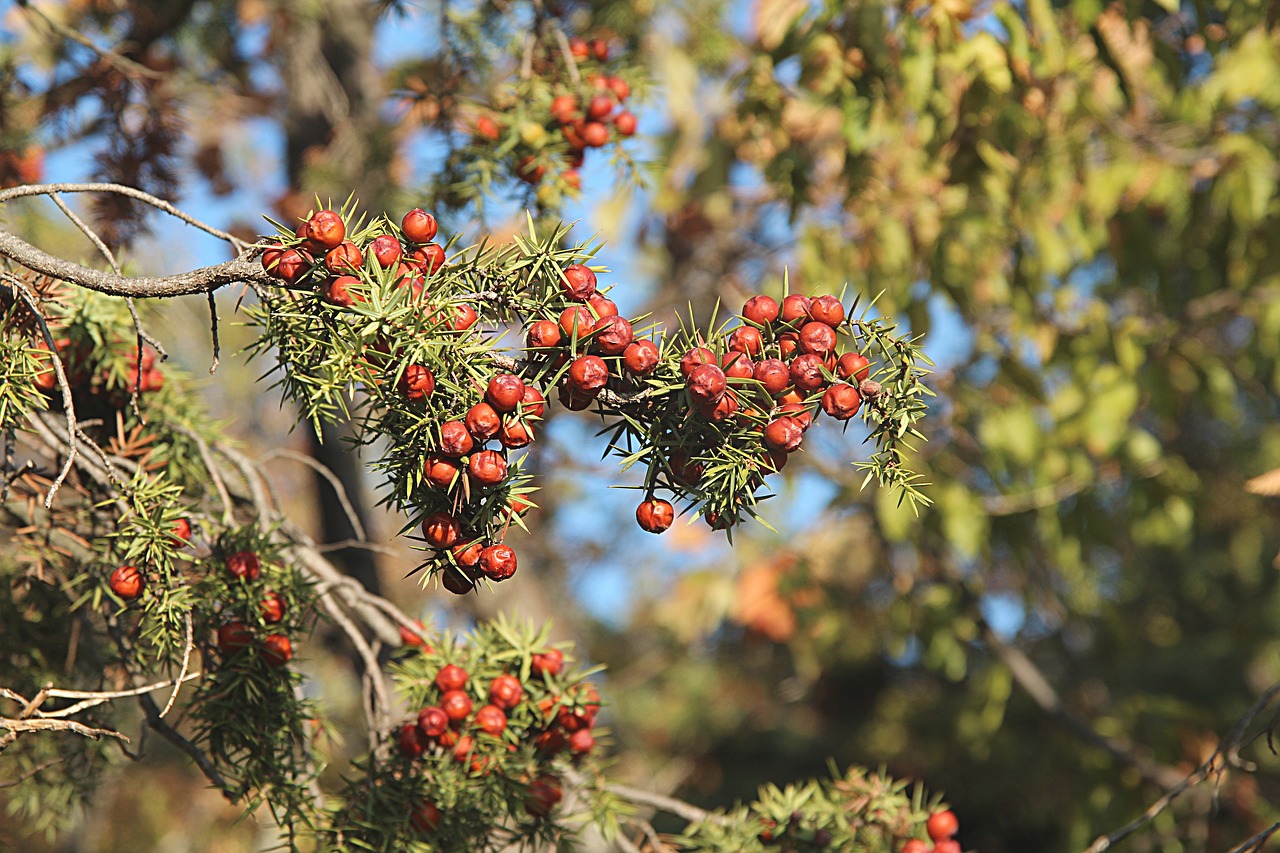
(501, 717)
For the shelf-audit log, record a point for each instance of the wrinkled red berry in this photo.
(467, 554)
(387, 250)
(505, 392)
(827, 309)
(326, 229)
(419, 226)
(784, 434)
(588, 374)
(532, 403)
(806, 372)
(817, 338)
(439, 471)
(706, 384)
(576, 320)
(655, 515)
(488, 467)
(454, 439)
(695, 358)
(498, 562)
(737, 365)
(720, 410)
(573, 399)
(337, 291)
(794, 307)
(515, 434)
(482, 422)
(543, 334)
(746, 339)
(578, 282)
(430, 258)
(641, 357)
(344, 258)
(611, 335)
(602, 306)
(841, 401)
(761, 310)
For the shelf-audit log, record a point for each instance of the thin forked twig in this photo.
(324, 471)
(1226, 750)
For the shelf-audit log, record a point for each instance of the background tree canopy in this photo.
(1076, 203)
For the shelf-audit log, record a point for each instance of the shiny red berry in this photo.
(441, 530)
(655, 515)
(234, 636)
(411, 741)
(419, 226)
(543, 334)
(505, 691)
(827, 309)
(761, 310)
(491, 720)
(272, 607)
(547, 663)
(841, 401)
(416, 382)
(456, 705)
(127, 582)
(942, 825)
(588, 373)
(433, 721)
(795, 308)
(277, 650)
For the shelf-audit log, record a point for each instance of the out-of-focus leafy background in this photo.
(1076, 203)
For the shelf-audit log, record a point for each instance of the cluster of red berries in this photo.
(320, 255)
(584, 112)
(128, 582)
(475, 726)
(506, 414)
(779, 368)
(88, 384)
(237, 635)
(941, 827)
